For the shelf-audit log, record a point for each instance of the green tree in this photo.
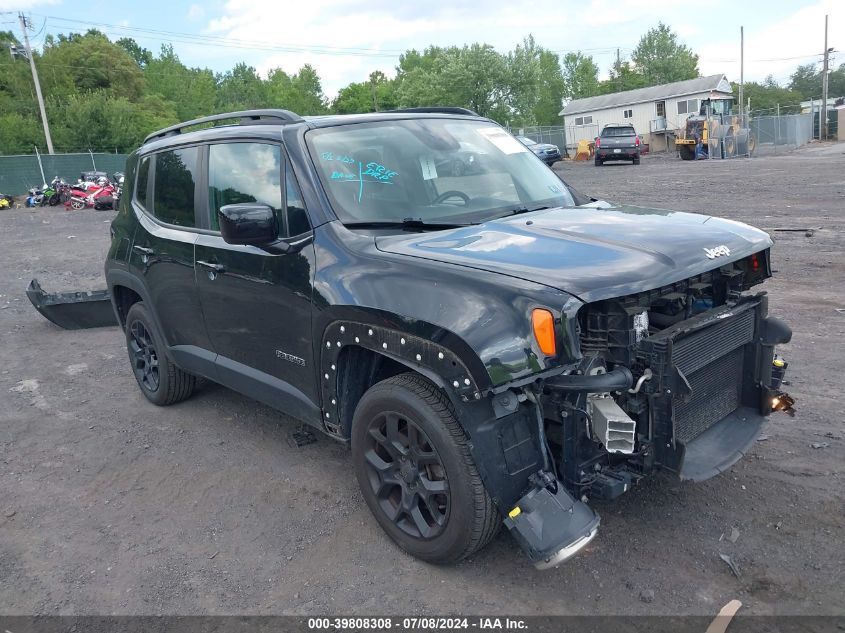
(807, 81)
(102, 121)
(475, 77)
(301, 93)
(623, 76)
(192, 91)
(20, 133)
(580, 76)
(140, 54)
(551, 90)
(83, 63)
(767, 95)
(523, 82)
(240, 89)
(662, 59)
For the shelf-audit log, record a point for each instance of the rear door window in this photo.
(244, 172)
(175, 185)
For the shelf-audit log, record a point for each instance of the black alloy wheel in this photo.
(416, 471)
(161, 381)
(407, 476)
(144, 356)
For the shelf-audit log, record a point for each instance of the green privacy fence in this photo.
(19, 173)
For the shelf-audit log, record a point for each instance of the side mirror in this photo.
(248, 223)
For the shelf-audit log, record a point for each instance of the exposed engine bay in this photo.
(678, 378)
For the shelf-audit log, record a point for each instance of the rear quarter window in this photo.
(143, 179)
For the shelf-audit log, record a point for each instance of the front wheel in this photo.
(416, 473)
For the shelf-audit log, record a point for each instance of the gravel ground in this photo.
(109, 505)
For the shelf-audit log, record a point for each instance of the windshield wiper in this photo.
(407, 223)
(522, 209)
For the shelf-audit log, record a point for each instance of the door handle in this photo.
(218, 268)
(143, 251)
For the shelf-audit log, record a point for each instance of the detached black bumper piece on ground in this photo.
(73, 310)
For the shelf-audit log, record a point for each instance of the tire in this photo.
(426, 451)
(77, 205)
(687, 152)
(162, 382)
(598, 162)
(636, 160)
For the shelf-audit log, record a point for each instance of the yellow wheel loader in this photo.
(716, 133)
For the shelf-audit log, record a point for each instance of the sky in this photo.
(345, 40)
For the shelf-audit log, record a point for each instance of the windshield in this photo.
(433, 170)
(618, 131)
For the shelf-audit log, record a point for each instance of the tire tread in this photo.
(486, 519)
(177, 383)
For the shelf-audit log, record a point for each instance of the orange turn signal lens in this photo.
(544, 330)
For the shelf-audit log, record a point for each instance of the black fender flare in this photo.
(437, 362)
(118, 277)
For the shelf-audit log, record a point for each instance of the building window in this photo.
(628, 113)
(583, 120)
(690, 106)
(661, 109)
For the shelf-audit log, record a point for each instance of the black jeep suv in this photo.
(494, 346)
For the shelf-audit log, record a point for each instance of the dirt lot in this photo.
(111, 505)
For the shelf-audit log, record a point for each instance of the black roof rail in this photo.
(439, 109)
(247, 117)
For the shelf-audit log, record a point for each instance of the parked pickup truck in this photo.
(617, 142)
(494, 347)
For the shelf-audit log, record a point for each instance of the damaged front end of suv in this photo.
(678, 378)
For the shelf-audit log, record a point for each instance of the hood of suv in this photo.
(591, 253)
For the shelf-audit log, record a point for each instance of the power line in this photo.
(225, 42)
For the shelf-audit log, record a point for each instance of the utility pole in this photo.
(618, 71)
(741, 66)
(24, 27)
(375, 97)
(823, 121)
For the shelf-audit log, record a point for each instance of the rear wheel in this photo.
(636, 160)
(598, 162)
(161, 381)
(687, 152)
(416, 473)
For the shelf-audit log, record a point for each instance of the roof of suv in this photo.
(286, 117)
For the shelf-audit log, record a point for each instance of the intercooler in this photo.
(708, 355)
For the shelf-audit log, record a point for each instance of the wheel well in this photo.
(124, 298)
(358, 369)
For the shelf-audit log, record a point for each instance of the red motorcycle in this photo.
(99, 195)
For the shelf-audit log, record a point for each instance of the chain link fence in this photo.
(779, 134)
(554, 134)
(19, 173)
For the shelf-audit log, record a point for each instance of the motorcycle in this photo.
(100, 196)
(54, 191)
(35, 197)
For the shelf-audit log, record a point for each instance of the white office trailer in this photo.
(658, 113)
